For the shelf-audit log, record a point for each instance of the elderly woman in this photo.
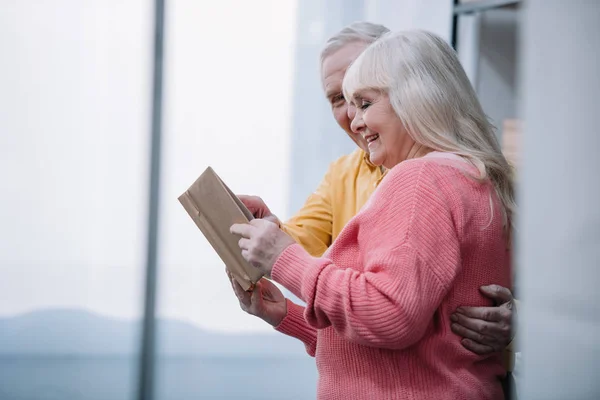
(436, 229)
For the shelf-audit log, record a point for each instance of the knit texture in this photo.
(379, 300)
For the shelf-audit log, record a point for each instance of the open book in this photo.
(214, 208)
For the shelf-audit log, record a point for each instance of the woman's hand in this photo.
(487, 329)
(266, 301)
(258, 208)
(262, 242)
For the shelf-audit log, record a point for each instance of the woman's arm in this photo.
(379, 308)
(296, 326)
(409, 254)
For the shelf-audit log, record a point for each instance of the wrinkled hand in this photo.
(266, 301)
(486, 329)
(262, 242)
(258, 208)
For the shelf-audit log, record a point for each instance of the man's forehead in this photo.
(333, 72)
(333, 87)
(335, 65)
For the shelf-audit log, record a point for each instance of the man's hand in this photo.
(486, 329)
(258, 208)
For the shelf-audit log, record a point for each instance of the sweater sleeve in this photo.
(409, 257)
(295, 325)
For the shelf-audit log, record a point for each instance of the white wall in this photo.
(487, 45)
(559, 235)
(316, 138)
(431, 15)
(496, 80)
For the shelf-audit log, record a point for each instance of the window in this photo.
(73, 156)
(228, 94)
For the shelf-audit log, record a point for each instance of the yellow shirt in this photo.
(346, 187)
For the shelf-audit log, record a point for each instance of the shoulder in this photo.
(412, 200)
(431, 181)
(431, 171)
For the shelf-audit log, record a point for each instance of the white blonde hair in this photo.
(356, 32)
(431, 94)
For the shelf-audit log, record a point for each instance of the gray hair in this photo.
(431, 94)
(361, 31)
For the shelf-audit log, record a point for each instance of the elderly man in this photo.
(350, 181)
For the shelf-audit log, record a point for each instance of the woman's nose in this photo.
(357, 125)
(351, 111)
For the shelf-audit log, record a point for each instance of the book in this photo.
(214, 208)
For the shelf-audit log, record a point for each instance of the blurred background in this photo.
(242, 93)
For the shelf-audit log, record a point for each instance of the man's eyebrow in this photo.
(330, 93)
(356, 97)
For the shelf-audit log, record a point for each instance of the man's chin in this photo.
(360, 142)
(364, 147)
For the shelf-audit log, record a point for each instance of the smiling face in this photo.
(388, 141)
(332, 75)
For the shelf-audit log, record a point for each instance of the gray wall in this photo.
(497, 76)
(316, 138)
(559, 230)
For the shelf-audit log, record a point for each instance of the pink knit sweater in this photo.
(379, 301)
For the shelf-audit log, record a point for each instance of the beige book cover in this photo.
(214, 208)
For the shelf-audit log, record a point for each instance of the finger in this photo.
(256, 296)
(484, 313)
(229, 276)
(260, 222)
(269, 290)
(242, 295)
(470, 334)
(471, 341)
(266, 285)
(495, 330)
(243, 230)
(252, 259)
(234, 285)
(244, 243)
(254, 204)
(246, 254)
(476, 348)
(499, 293)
